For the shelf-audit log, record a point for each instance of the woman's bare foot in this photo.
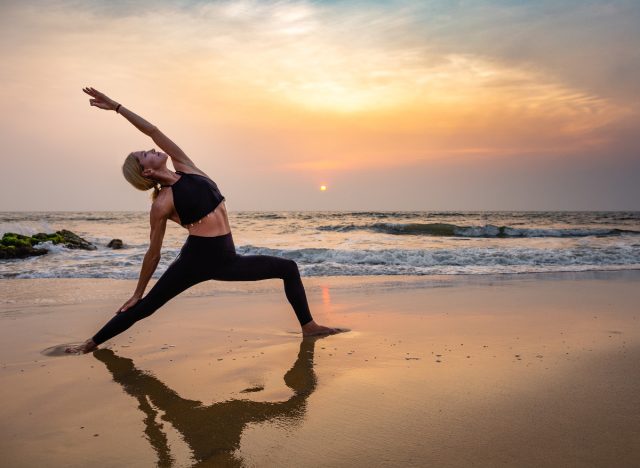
(313, 329)
(84, 348)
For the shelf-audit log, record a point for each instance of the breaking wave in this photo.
(488, 230)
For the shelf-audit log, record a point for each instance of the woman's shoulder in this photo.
(193, 170)
(196, 172)
(162, 205)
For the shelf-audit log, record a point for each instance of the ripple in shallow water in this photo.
(60, 350)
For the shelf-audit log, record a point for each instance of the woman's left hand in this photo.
(100, 100)
(130, 303)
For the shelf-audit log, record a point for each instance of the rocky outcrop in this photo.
(74, 241)
(115, 243)
(15, 245)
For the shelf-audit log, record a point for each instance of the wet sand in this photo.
(523, 370)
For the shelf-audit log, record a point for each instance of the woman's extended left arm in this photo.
(158, 220)
(180, 160)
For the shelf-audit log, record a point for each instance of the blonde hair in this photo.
(132, 171)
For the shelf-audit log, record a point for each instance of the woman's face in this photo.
(151, 159)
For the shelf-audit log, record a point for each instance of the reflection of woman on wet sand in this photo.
(190, 198)
(212, 432)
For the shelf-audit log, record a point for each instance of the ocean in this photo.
(328, 243)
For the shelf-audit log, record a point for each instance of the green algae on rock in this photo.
(13, 245)
(74, 241)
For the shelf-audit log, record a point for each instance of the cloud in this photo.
(324, 87)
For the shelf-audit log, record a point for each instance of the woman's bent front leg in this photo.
(176, 279)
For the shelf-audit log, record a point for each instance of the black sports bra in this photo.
(194, 197)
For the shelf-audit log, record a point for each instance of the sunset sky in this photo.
(398, 105)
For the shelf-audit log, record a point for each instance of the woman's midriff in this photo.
(214, 224)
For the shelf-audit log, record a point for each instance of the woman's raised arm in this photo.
(102, 101)
(180, 160)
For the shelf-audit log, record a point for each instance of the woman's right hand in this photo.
(100, 100)
(130, 303)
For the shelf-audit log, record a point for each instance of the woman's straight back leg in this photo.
(261, 267)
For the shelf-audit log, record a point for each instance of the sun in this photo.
(323, 188)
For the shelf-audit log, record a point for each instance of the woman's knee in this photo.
(290, 268)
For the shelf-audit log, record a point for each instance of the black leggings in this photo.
(207, 258)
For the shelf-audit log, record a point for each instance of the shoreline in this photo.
(8, 285)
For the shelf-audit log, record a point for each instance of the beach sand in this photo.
(514, 370)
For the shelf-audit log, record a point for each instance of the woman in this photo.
(190, 198)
